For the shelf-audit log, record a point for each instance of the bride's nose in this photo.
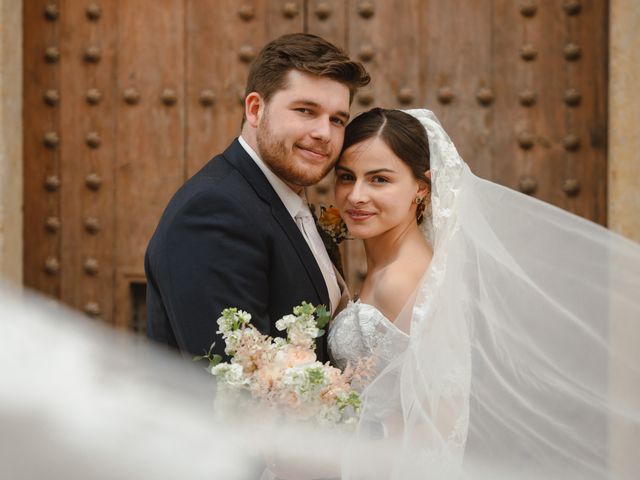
(357, 194)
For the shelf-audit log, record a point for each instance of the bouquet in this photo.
(284, 373)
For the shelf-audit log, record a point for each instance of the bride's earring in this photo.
(420, 205)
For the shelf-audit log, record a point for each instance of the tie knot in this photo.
(304, 212)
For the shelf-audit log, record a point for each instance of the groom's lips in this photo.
(359, 215)
(314, 154)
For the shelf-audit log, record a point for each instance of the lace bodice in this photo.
(361, 331)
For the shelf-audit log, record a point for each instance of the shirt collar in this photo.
(291, 200)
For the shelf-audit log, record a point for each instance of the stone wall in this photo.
(11, 140)
(624, 118)
(624, 209)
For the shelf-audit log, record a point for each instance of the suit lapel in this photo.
(240, 159)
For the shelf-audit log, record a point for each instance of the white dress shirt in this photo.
(297, 207)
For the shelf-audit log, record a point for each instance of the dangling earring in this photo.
(420, 206)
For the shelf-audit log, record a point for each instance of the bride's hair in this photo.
(402, 133)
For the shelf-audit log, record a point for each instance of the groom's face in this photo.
(301, 129)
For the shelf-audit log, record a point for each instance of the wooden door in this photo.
(124, 100)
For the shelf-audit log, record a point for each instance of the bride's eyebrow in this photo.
(370, 172)
(380, 170)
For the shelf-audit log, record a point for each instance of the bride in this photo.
(494, 319)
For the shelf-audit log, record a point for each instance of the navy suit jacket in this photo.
(226, 240)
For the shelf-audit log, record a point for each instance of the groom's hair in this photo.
(306, 53)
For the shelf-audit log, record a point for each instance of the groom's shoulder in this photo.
(219, 178)
(217, 186)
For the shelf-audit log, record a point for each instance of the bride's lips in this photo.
(313, 154)
(359, 215)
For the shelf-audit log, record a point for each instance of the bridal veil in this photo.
(516, 365)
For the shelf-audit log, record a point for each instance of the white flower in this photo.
(303, 333)
(329, 416)
(232, 341)
(306, 381)
(230, 373)
(285, 322)
(231, 320)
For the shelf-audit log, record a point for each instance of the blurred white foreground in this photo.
(81, 400)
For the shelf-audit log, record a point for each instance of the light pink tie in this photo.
(307, 226)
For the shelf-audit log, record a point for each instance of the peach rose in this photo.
(293, 355)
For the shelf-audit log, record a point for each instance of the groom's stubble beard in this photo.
(275, 154)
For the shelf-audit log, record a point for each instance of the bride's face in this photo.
(375, 190)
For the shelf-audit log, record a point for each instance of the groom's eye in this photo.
(306, 111)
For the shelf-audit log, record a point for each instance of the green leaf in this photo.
(323, 316)
(214, 360)
(207, 356)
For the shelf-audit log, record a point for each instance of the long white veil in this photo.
(517, 365)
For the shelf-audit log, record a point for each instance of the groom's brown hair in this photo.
(306, 53)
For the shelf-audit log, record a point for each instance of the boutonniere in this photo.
(332, 224)
(332, 230)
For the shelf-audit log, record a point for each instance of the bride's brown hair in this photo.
(401, 132)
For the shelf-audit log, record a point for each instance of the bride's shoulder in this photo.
(392, 291)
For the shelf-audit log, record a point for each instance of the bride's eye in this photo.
(345, 177)
(378, 179)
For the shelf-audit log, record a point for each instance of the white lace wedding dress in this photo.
(362, 331)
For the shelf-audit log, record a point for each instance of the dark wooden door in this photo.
(124, 100)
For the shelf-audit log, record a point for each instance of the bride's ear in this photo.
(424, 188)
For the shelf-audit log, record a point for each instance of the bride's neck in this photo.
(387, 247)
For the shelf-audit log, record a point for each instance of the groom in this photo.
(239, 232)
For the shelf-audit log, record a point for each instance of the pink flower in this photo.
(295, 355)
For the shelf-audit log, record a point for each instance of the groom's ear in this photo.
(253, 108)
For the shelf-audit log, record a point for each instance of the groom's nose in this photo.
(321, 128)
